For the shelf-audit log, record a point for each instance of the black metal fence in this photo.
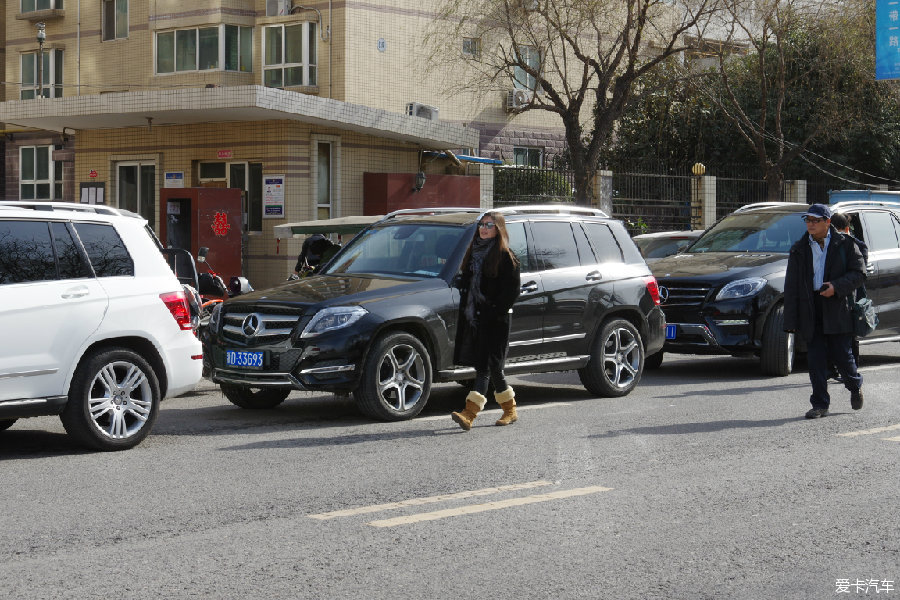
(648, 196)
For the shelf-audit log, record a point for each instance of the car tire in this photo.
(776, 356)
(617, 360)
(653, 361)
(113, 400)
(246, 397)
(396, 378)
(6, 424)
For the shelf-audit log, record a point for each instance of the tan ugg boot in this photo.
(507, 401)
(474, 403)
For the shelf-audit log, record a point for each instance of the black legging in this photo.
(493, 373)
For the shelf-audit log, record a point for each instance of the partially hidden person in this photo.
(841, 222)
(824, 270)
(489, 286)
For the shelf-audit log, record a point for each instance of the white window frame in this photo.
(53, 5)
(55, 61)
(528, 150)
(531, 56)
(308, 65)
(333, 204)
(222, 50)
(50, 181)
(105, 34)
(138, 163)
(471, 48)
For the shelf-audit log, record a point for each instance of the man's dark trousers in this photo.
(823, 350)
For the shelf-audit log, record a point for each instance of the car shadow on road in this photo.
(691, 428)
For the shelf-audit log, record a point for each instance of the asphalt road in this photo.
(706, 482)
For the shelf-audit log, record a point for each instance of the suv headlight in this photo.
(329, 319)
(741, 288)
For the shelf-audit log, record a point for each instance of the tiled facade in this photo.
(116, 109)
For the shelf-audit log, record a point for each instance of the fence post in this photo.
(795, 191)
(603, 191)
(486, 185)
(703, 200)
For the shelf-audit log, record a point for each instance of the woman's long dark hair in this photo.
(492, 261)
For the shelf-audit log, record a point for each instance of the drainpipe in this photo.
(78, 51)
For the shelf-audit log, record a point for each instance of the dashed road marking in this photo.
(871, 431)
(892, 439)
(498, 411)
(429, 500)
(498, 505)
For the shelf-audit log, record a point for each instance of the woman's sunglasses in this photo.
(486, 225)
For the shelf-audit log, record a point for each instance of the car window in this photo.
(412, 249)
(882, 233)
(105, 249)
(554, 245)
(604, 242)
(519, 245)
(68, 254)
(26, 252)
(752, 232)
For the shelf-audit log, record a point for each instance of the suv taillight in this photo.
(177, 304)
(653, 288)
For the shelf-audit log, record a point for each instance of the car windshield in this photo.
(662, 246)
(752, 232)
(406, 249)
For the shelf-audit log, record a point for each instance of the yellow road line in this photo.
(477, 508)
(870, 431)
(362, 510)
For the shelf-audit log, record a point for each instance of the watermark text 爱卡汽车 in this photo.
(864, 586)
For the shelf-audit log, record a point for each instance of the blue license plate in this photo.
(670, 332)
(247, 360)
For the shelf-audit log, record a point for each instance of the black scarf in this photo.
(480, 249)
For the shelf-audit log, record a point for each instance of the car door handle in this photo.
(76, 292)
(594, 276)
(529, 287)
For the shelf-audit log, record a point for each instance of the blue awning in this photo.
(465, 158)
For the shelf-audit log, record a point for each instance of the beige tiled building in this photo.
(135, 96)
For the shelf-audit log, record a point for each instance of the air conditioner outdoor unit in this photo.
(276, 8)
(517, 99)
(414, 109)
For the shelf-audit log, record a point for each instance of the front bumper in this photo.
(731, 328)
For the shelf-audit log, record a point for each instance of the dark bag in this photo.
(864, 318)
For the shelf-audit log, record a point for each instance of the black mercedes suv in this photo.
(723, 294)
(379, 320)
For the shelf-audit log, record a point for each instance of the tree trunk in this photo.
(774, 185)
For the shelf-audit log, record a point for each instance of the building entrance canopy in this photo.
(232, 103)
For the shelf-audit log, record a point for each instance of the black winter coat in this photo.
(490, 336)
(844, 269)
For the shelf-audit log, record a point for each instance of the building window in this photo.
(471, 48)
(33, 5)
(531, 58)
(324, 180)
(289, 53)
(40, 178)
(115, 19)
(238, 48)
(136, 187)
(528, 157)
(52, 75)
(199, 49)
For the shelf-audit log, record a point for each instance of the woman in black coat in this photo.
(488, 288)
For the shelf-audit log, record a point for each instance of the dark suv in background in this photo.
(724, 293)
(379, 320)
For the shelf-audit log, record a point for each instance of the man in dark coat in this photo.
(841, 222)
(824, 269)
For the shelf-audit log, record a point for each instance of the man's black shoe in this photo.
(816, 413)
(856, 399)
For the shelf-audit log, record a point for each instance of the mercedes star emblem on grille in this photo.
(251, 325)
(663, 295)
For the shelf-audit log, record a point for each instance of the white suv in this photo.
(95, 325)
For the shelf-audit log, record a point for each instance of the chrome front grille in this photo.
(259, 327)
(676, 295)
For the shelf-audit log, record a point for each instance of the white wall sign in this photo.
(273, 196)
(174, 179)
